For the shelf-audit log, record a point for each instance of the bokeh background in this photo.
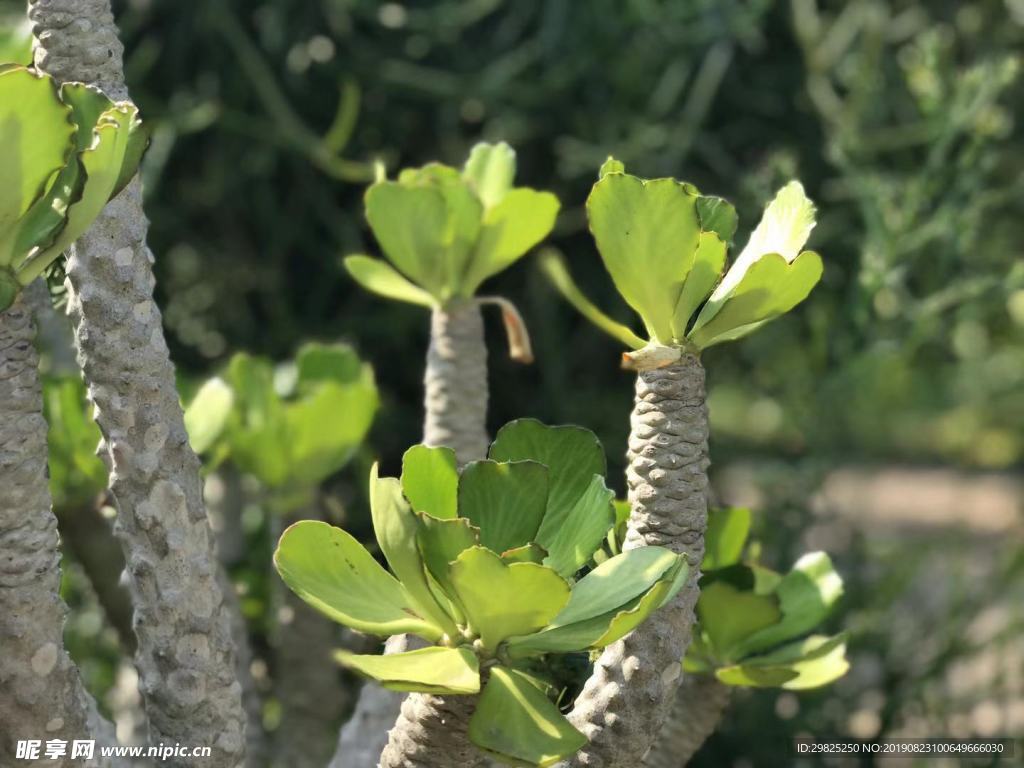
(882, 420)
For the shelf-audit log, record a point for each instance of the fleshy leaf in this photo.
(707, 269)
(207, 415)
(37, 140)
(615, 582)
(331, 571)
(490, 170)
(425, 670)
(770, 287)
(505, 500)
(396, 527)
(442, 541)
(611, 165)
(809, 663)
(729, 616)
(647, 233)
(572, 542)
(806, 596)
(257, 431)
(528, 553)
(379, 277)
(717, 215)
(318, 363)
(726, 535)
(430, 480)
(518, 724)
(522, 219)
(501, 600)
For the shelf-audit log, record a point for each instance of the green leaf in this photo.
(522, 219)
(578, 512)
(647, 233)
(528, 553)
(506, 501)
(784, 228)
(717, 215)
(725, 538)
(103, 163)
(77, 475)
(318, 363)
(770, 287)
(331, 571)
(37, 141)
(707, 269)
(257, 430)
(730, 616)
(397, 528)
(430, 480)
(518, 724)
(425, 670)
(809, 663)
(381, 278)
(615, 582)
(806, 596)
(207, 415)
(490, 170)
(579, 532)
(501, 600)
(442, 541)
(553, 266)
(611, 165)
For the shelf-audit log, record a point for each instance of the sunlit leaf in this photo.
(517, 723)
(430, 480)
(208, 413)
(331, 571)
(707, 269)
(501, 600)
(809, 663)
(381, 278)
(426, 670)
(725, 538)
(490, 170)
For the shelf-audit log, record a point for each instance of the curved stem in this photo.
(185, 656)
(41, 694)
(456, 382)
(629, 694)
(700, 703)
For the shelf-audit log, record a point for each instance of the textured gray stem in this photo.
(431, 733)
(629, 694)
(41, 693)
(185, 656)
(700, 703)
(456, 382)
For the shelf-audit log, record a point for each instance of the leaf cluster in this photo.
(66, 151)
(445, 231)
(290, 438)
(488, 565)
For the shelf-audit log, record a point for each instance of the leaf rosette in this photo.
(493, 565)
(66, 151)
(664, 245)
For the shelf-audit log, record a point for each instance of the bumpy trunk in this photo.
(455, 405)
(41, 693)
(431, 733)
(629, 694)
(456, 382)
(185, 656)
(700, 703)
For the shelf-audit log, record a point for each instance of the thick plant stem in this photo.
(700, 703)
(456, 382)
(185, 655)
(41, 693)
(629, 694)
(431, 733)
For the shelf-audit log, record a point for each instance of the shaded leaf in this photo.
(809, 663)
(707, 269)
(717, 215)
(490, 170)
(725, 538)
(729, 616)
(506, 501)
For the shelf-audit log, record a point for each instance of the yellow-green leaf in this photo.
(425, 670)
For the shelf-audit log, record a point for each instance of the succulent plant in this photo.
(492, 565)
(664, 245)
(754, 624)
(66, 150)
